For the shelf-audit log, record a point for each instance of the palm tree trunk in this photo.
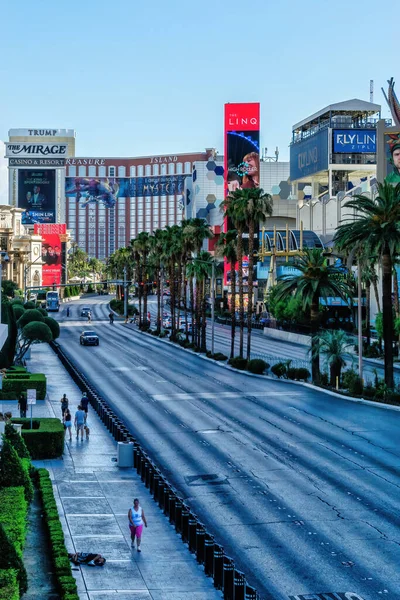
(368, 311)
(172, 298)
(159, 316)
(145, 291)
(233, 308)
(387, 316)
(250, 287)
(241, 302)
(198, 312)
(376, 293)
(192, 310)
(140, 296)
(314, 319)
(203, 317)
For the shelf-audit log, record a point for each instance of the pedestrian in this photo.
(80, 418)
(89, 317)
(149, 317)
(64, 404)
(136, 520)
(67, 311)
(67, 418)
(87, 430)
(22, 405)
(111, 317)
(85, 403)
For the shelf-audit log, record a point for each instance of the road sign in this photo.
(31, 396)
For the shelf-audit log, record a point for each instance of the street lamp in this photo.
(3, 258)
(26, 271)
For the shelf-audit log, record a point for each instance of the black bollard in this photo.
(161, 493)
(218, 567)
(178, 515)
(156, 482)
(185, 523)
(200, 533)
(167, 492)
(251, 593)
(229, 568)
(172, 507)
(208, 555)
(239, 582)
(192, 525)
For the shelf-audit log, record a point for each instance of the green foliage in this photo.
(258, 366)
(29, 305)
(290, 309)
(280, 369)
(9, 588)
(43, 312)
(18, 310)
(13, 516)
(13, 472)
(53, 326)
(216, 356)
(37, 332)
(9, 559)
(9, 287)
(352, 382)
(66, 292)
(299, 374)
(8, 318)
(16, 440)
(238, 363)
(30, 316)
(18, 382)
(90, 289)
(45, 440)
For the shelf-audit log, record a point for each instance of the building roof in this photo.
(354, 106)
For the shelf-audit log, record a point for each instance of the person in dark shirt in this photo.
(85, 402)
(22, 405)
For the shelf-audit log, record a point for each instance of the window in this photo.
(163, 169)
(82, 171)
(140, 170)
(133, 171)
(156, 170)
(121, 171)
(72, 171)
(111, 171)
(171, 169)
(179, 168)
(148, 170)
(92, 171)
(187, 167)
(102, 172)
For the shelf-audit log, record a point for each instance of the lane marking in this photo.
(216, 395)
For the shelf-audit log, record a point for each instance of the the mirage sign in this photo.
(42, 150)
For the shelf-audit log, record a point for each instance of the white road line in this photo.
(216, 395)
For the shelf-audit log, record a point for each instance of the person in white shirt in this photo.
(136, 521)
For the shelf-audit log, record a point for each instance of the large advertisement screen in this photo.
(392, 156)
(37, 195)
(106, 190)
(242, 158)
(51, 252)
(309, 156)
(354, 141)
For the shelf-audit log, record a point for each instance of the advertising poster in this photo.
(37, 195)
(392, 156)
(51, 252)
(242, 157)
(106, 190)
(354, 141)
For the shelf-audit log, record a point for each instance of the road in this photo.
(301, 488)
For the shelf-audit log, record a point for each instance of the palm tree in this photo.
(376, 229)
(227, 248)
(156, 257)
(314, 279)
(172, 250)
(235, 207)
(333, 344)
(259, 206)
(142, 246)
(200, 268)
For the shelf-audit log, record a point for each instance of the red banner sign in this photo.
(51, 251)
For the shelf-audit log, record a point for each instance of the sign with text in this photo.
(51, 251)
(354, 141)
(34, 149)
(37, 195)
(31, 396)
(309, 156)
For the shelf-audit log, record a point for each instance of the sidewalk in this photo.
(93, 497)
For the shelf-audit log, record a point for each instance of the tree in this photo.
(9, 559)
(34, 328)
(12, 472)
(16, 440)
(315, 279)
(78, 263)
(9, 318)
(334, 346)
(235, 206)
(376, 229)
(259, 206)
(142, 245)
(9, 287)
(227, 248)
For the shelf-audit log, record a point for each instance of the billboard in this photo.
(106, 190)
(354, 141)
(309, 156)
(392, 156)
(34, 149)
(52, 251)
(37, 195)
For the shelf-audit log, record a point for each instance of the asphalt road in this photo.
(301, 488)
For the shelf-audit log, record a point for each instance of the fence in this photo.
(200, 542)
(297, 363)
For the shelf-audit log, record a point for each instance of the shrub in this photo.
(324, 379)
(163, 334)
(18, 310)
(29, 305)
(43, 312)
(18, 382)
(13, 472)
(220, 356)
(368, 391)
(303, 374)
(280, 369)
(9, 559)
(30, 316)
(13, 512)
(66, 292)
(238, 363)
(352, 382)
(16, 440)
(9, 589)
(45, 440)
(257, 365)
(53, 326)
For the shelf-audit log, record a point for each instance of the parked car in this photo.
(89, 338)
(85, 310)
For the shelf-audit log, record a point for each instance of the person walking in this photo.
(22, 405)
(64, 404)
(67, 419)
(67, 311)
(80, 418)
(111, 317)
(85, 403)
(136, 520)
(89, 316)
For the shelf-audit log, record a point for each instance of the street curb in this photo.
(269, 378)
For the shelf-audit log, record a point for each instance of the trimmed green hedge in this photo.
(13, 513)
(62, 566)
(45, 440)
(14, 471)
(16, 383)
(9, 589)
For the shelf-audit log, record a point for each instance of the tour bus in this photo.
(52, 301)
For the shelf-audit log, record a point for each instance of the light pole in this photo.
(359, 318)
(125, 297)
(162, 294)
(3, 257)
(25, 272)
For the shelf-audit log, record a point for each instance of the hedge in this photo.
(238, 363)
(13, 386)
(16, 440)
(62, 566)
(257, 365)
(9, 589)
(45, 440)
(14, 471)
(13, 513)
(10, 559)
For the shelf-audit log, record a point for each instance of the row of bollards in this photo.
(201, 543)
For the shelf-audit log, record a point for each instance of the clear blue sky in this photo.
(139, 77)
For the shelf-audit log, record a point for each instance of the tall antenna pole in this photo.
(371, 90)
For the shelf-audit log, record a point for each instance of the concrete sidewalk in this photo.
(93, 497)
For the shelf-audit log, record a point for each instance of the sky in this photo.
(137, 77)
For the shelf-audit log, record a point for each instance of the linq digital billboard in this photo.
(52, 246)
(37, 195)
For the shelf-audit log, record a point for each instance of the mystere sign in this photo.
(37, 150)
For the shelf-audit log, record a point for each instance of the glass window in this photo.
(92, 171)
(133, 171)
(163, 169)
(179, 168)
(72, 171)
(187, 167)
(121, 171)
(140, 170)
(102, 171)
(82, 171)
(171, 168)
(156, 170)
(148, 170)
(111, 171)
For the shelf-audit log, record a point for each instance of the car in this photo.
(167, 322)
(89, 338)
(85, 310)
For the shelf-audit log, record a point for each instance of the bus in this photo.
(52, 301)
